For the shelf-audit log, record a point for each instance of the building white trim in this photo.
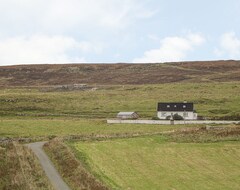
(166, 110)
(187, 115)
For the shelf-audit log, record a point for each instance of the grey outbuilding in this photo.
(127, 115)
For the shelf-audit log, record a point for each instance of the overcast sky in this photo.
(111, 31)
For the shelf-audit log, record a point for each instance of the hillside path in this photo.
(48, 166)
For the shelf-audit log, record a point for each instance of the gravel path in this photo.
(48, 166)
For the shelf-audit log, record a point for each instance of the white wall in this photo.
(190, 115)
(167, 122)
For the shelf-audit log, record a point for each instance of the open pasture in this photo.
(211, 100)
(48, 128)
(156, 163)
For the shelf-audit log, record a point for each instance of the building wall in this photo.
(185, 115)
(132, 116)
(125, 117)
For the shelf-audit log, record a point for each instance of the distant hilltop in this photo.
(119, 74)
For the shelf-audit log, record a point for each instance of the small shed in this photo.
(127, 115)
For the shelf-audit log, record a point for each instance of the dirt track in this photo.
(48, 166)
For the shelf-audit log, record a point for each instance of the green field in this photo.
(213, 100)
(155, 163)
(30, 112)
(146, 162)
(65, 127)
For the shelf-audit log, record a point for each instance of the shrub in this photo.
(168, 117)
(174, 117)
(155, 118)
(177, 117)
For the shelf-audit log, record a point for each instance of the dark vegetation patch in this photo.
(234, 116)
(206, 134)
(219, 111)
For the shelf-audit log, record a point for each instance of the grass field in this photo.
(211, 100)
(60, 127)
(151, 162)
(29, 112)
(155, 163)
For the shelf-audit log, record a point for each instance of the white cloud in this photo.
(64, 15)
(60, 22)
(172, 49)
(39, 49)
(229, 46)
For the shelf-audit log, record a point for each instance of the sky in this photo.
(114, 31)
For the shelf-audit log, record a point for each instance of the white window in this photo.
(175, 106)
(168, 106)
(184, 106)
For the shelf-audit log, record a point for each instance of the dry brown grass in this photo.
(206, 134)
(20, 170)
(39, 75)
(73, 171)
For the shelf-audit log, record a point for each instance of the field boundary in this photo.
(168, 122)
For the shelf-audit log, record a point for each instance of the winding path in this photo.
(48, 166)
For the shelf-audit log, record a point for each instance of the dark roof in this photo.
(175, 106)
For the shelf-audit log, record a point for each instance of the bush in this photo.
(168, 117)
(174, 117)
(177, 117)
(155, 118)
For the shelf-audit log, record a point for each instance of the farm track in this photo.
(48, 166)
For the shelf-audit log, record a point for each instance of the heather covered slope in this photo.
(39, 75)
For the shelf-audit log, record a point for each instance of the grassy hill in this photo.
(44, 75)
(213, 100)
(30, 112)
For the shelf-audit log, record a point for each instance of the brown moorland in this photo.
(112, 74)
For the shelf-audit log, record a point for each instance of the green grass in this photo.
(30, 112)
(61, 127)
(155, 163)
(134, 163)
(211, 100)
(137, 163)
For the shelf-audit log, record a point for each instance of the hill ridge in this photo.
(120, 73)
